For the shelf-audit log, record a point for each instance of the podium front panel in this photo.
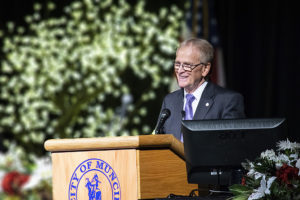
(85, 175)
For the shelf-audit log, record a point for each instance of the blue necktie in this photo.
(188, 109)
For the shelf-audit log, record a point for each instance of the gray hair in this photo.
(205, 49)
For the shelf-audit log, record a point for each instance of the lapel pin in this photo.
(207, 104)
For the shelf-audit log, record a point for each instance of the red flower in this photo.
(13, 181)
(243, 181)
(287, 173)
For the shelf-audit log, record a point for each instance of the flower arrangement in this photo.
(65, 75)
(24, 180)
(272, 176)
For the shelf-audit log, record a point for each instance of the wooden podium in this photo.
(127, 168)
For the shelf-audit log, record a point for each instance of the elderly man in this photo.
(198, 98)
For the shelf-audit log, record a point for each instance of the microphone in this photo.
(182, 114)
(165, 113)
(126, 101)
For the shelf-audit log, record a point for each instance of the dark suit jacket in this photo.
(215, 103)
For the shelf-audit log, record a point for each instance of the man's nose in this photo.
(180, 70)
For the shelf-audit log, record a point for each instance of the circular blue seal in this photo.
(94, 179)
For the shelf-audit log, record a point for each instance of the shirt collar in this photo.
(198, 92)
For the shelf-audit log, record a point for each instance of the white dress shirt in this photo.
(197, 94)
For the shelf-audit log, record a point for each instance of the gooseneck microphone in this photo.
(182, 114)
(165, 113)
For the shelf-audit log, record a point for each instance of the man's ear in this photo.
(206, 69)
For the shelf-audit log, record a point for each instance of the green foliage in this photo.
(266, 166)
(65, 76)
(252, 182)
(283, 191)
(240, 192)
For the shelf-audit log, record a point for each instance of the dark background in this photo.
(261, 46)
(260, 40)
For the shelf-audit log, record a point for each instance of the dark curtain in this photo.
(261, 49)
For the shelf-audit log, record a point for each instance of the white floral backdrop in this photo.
(98, 69)
(94, 71)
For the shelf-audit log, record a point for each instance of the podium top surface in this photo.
(113, 143)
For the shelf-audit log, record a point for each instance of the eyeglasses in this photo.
(186, 67)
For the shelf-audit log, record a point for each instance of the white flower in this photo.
(260, 192)
(2, 158)
(269, 154)
(282, 158)
(298, 166)
(263, 189)
(294, 157)
(284, 145)
(12, 159)
(255, 174)
(2, 173)
(42, 172)
(278, 165)
(269, 183)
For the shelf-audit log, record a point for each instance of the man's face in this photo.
(190, 80)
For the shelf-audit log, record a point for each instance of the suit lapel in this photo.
(179, 101)
(206, 101)
(178, 110)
